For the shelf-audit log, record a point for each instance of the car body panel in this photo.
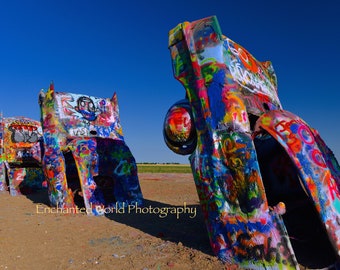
(85, 153)
(231, 94)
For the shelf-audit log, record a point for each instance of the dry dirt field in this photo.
(30, 239)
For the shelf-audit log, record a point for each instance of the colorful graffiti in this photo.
(86, 162)
(21, 155)
(257, 168)
(179, 129)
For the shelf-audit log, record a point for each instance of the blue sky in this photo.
(96, 47)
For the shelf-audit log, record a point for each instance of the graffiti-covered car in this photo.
(268, 184)
(21, 154)
(88, 166)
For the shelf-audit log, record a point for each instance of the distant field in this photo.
(164, 168)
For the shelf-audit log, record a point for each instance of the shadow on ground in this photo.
(185, 224)
(187, 228)
(40, 196)
(181, 223)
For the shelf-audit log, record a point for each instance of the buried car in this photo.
(268, 184)
(86, 161)
(21, 155)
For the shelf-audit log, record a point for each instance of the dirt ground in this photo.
(31, 239)
(136, 239)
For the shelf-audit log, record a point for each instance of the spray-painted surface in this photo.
(179, 132)
(316, 164)
(20, 163)
(86, 161)
(229, 92)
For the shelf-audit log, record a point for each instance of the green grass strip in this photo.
(164, 168)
